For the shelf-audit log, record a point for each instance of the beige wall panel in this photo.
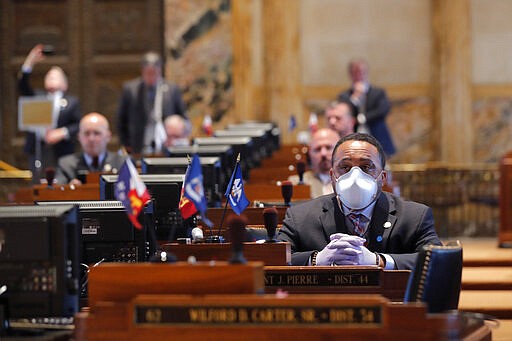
(492, 37)
(395, 37)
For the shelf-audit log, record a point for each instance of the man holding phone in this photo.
(58, 139)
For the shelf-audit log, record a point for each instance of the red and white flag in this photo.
(313, 122)
(207, 125)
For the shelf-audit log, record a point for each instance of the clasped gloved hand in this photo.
(343, 249)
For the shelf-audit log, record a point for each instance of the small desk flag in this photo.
(131, 191)
(235, 192)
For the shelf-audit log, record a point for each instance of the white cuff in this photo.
(66, 133)
(390, 262)
(26, 68)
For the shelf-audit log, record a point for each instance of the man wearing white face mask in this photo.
(359, 224)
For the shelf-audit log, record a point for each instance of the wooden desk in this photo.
(220, 302)
(121, 282)
(337, 280)
(268, 253)
(272, 193)
(505, 201)
(262, 317)
(254, 215)
(58, 193)
(270, 175)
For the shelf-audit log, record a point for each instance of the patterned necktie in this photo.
(360, 223)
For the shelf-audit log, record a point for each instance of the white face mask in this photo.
(356, 189)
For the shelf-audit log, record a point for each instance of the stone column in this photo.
(282, 63)
(453, 138)
(244, 101)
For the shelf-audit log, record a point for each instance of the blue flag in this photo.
(194, 189)
(292, 123)
(236, 197)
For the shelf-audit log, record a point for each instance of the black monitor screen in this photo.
(39, 260)
(164, 214)
(241, 145)
(272, 130)
(106, 233)
(263, 144)
(210, 167)
(224, 152)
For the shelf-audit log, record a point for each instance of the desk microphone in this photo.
(270, 221)
(287, 192)
(301, 169)
(237, 226)
(49, 174)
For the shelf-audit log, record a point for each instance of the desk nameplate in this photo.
(322, 277)
(241, 315)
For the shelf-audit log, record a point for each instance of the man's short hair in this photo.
(365, 138)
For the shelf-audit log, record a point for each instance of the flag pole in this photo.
(230, 188)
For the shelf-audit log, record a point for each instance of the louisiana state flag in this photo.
(131, 191)
(235, 192)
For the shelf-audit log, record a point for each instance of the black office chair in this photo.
(436, 279)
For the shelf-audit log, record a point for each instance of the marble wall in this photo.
(199, 55)
(395, 36)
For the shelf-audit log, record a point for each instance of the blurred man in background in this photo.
(94, 136)
(370, 105)
(320, 153)
(59, 138)
(339, 117)
(145, 102)
(177, 131)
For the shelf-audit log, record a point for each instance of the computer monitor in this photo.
(106, 233)
(241, 145)
(273, 131)
(262, 146)
(210, 165)
(224, 152)
(39, 260)
(163, 211)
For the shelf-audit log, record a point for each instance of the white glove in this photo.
(366, 257)
(341, 250)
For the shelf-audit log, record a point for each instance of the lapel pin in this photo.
(387, 225)
(379, 239)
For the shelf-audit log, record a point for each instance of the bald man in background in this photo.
(320, 154)
(94, 135)
(177, 131)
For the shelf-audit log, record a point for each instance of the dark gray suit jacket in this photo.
(132, 116)
(307, 228)
(377, 107)
(70, 166)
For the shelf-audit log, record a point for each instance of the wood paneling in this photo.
(97, 42)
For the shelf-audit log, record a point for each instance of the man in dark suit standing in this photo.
(59, 139)
(94, 135)
(145, 102)
(370, 105)
(359, 224)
